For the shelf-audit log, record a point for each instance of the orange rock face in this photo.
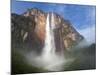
(40, 21)
(40, 28)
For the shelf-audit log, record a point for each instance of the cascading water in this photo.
(49, 46)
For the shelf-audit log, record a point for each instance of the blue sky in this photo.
(82, 17)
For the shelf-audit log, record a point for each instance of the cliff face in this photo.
(30, 26)
(40, 20)
(65, 34)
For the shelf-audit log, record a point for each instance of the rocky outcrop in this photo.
(65, 34)
(40, 20)
(29, 28)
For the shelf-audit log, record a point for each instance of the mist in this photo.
(88, 33)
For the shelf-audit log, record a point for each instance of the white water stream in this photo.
(49, 46)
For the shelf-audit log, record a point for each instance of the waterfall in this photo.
(51, 60)
(49, 45)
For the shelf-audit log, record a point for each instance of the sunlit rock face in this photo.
(40, 20)
(65, 34)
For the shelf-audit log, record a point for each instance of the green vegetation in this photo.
(82, 61)
(20, 66)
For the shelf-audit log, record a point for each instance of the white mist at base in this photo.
(50, 63)
(49, 60)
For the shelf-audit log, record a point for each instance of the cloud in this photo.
(88, 33)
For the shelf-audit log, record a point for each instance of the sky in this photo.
(82, 17)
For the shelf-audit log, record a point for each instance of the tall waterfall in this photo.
(49, 46)
(51, 60)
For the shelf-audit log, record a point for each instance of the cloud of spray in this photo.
(51, 63)
(89, 34)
